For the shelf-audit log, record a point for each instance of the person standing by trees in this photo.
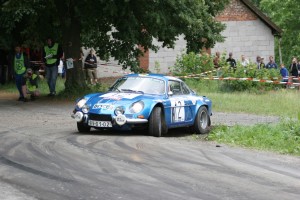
(271, 64)
(216, 60)
(258, 58)
(231, 61)
(262, 63)
(52, 54)
(293, 68)
(284, 73)
(244, 62)
(90, 64)
(20, 64)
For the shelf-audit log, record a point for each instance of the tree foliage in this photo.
(286, 15)
(114, 28)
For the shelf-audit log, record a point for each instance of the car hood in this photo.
(118, 98)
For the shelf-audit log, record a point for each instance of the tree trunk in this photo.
(71, 46)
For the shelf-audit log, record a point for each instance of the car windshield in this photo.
(148, 85)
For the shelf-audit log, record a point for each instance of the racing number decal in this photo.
(178, 113)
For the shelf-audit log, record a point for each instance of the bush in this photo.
(196, 64)
(192, 63)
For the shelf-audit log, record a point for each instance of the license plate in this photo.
(99, 123)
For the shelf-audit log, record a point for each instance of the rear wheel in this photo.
(202, 121)
(82, 127)
(155, 122)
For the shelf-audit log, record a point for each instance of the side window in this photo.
(175, 87)
(185, 88)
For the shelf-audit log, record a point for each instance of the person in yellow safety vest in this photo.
(52, 53)
(30, 85)
(20, 64)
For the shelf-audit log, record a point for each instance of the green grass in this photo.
(283, 137)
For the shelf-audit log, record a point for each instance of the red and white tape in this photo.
(253, 79)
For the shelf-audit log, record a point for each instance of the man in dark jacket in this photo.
(90, 65)
(52, 53)
(293, 68)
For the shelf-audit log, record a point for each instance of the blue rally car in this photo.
(152, 101)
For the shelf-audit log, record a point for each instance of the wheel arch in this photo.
(207, 107)
(164, 120)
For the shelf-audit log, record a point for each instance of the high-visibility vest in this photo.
(19, 64)
(51, 54)
(30, 87)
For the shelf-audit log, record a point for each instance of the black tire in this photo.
(155, 122)
(82, 128)
(202, 121)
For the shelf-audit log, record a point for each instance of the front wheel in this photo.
(202, 121)
(81, 127)
(155, 122)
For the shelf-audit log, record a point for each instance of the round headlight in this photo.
(119, 110)
(81, 103)
(85, 108)
(137, 107)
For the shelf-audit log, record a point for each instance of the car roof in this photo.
(161, 76)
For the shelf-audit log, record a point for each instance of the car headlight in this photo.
(85, 108)
(81, 103)
(137, 107)
(119, 110)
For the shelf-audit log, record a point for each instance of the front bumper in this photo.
(119, 120)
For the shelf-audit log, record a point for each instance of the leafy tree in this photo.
(256, 2)
(114, 28)
(286, 15)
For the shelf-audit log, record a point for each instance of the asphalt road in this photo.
(43, 157)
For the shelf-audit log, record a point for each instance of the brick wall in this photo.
(236, 11)
(245, 33)
(144, 60)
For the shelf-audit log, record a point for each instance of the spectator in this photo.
(20, 64)
(90, 64)
(262, 63)
(244, 61)
(52, 54)
(216, 60)
(271, 64)
(284, 73)
(30, 84)
(293, 67)
(258, 58)
(231, 61)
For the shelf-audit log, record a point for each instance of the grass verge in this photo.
(283, 137)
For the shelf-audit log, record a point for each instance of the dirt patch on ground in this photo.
(108, 80)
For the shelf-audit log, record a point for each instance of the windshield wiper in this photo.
(129, 90)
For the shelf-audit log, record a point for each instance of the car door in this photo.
(179, 105)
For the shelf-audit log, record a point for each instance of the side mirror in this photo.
(170, 93)
(194, 91)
